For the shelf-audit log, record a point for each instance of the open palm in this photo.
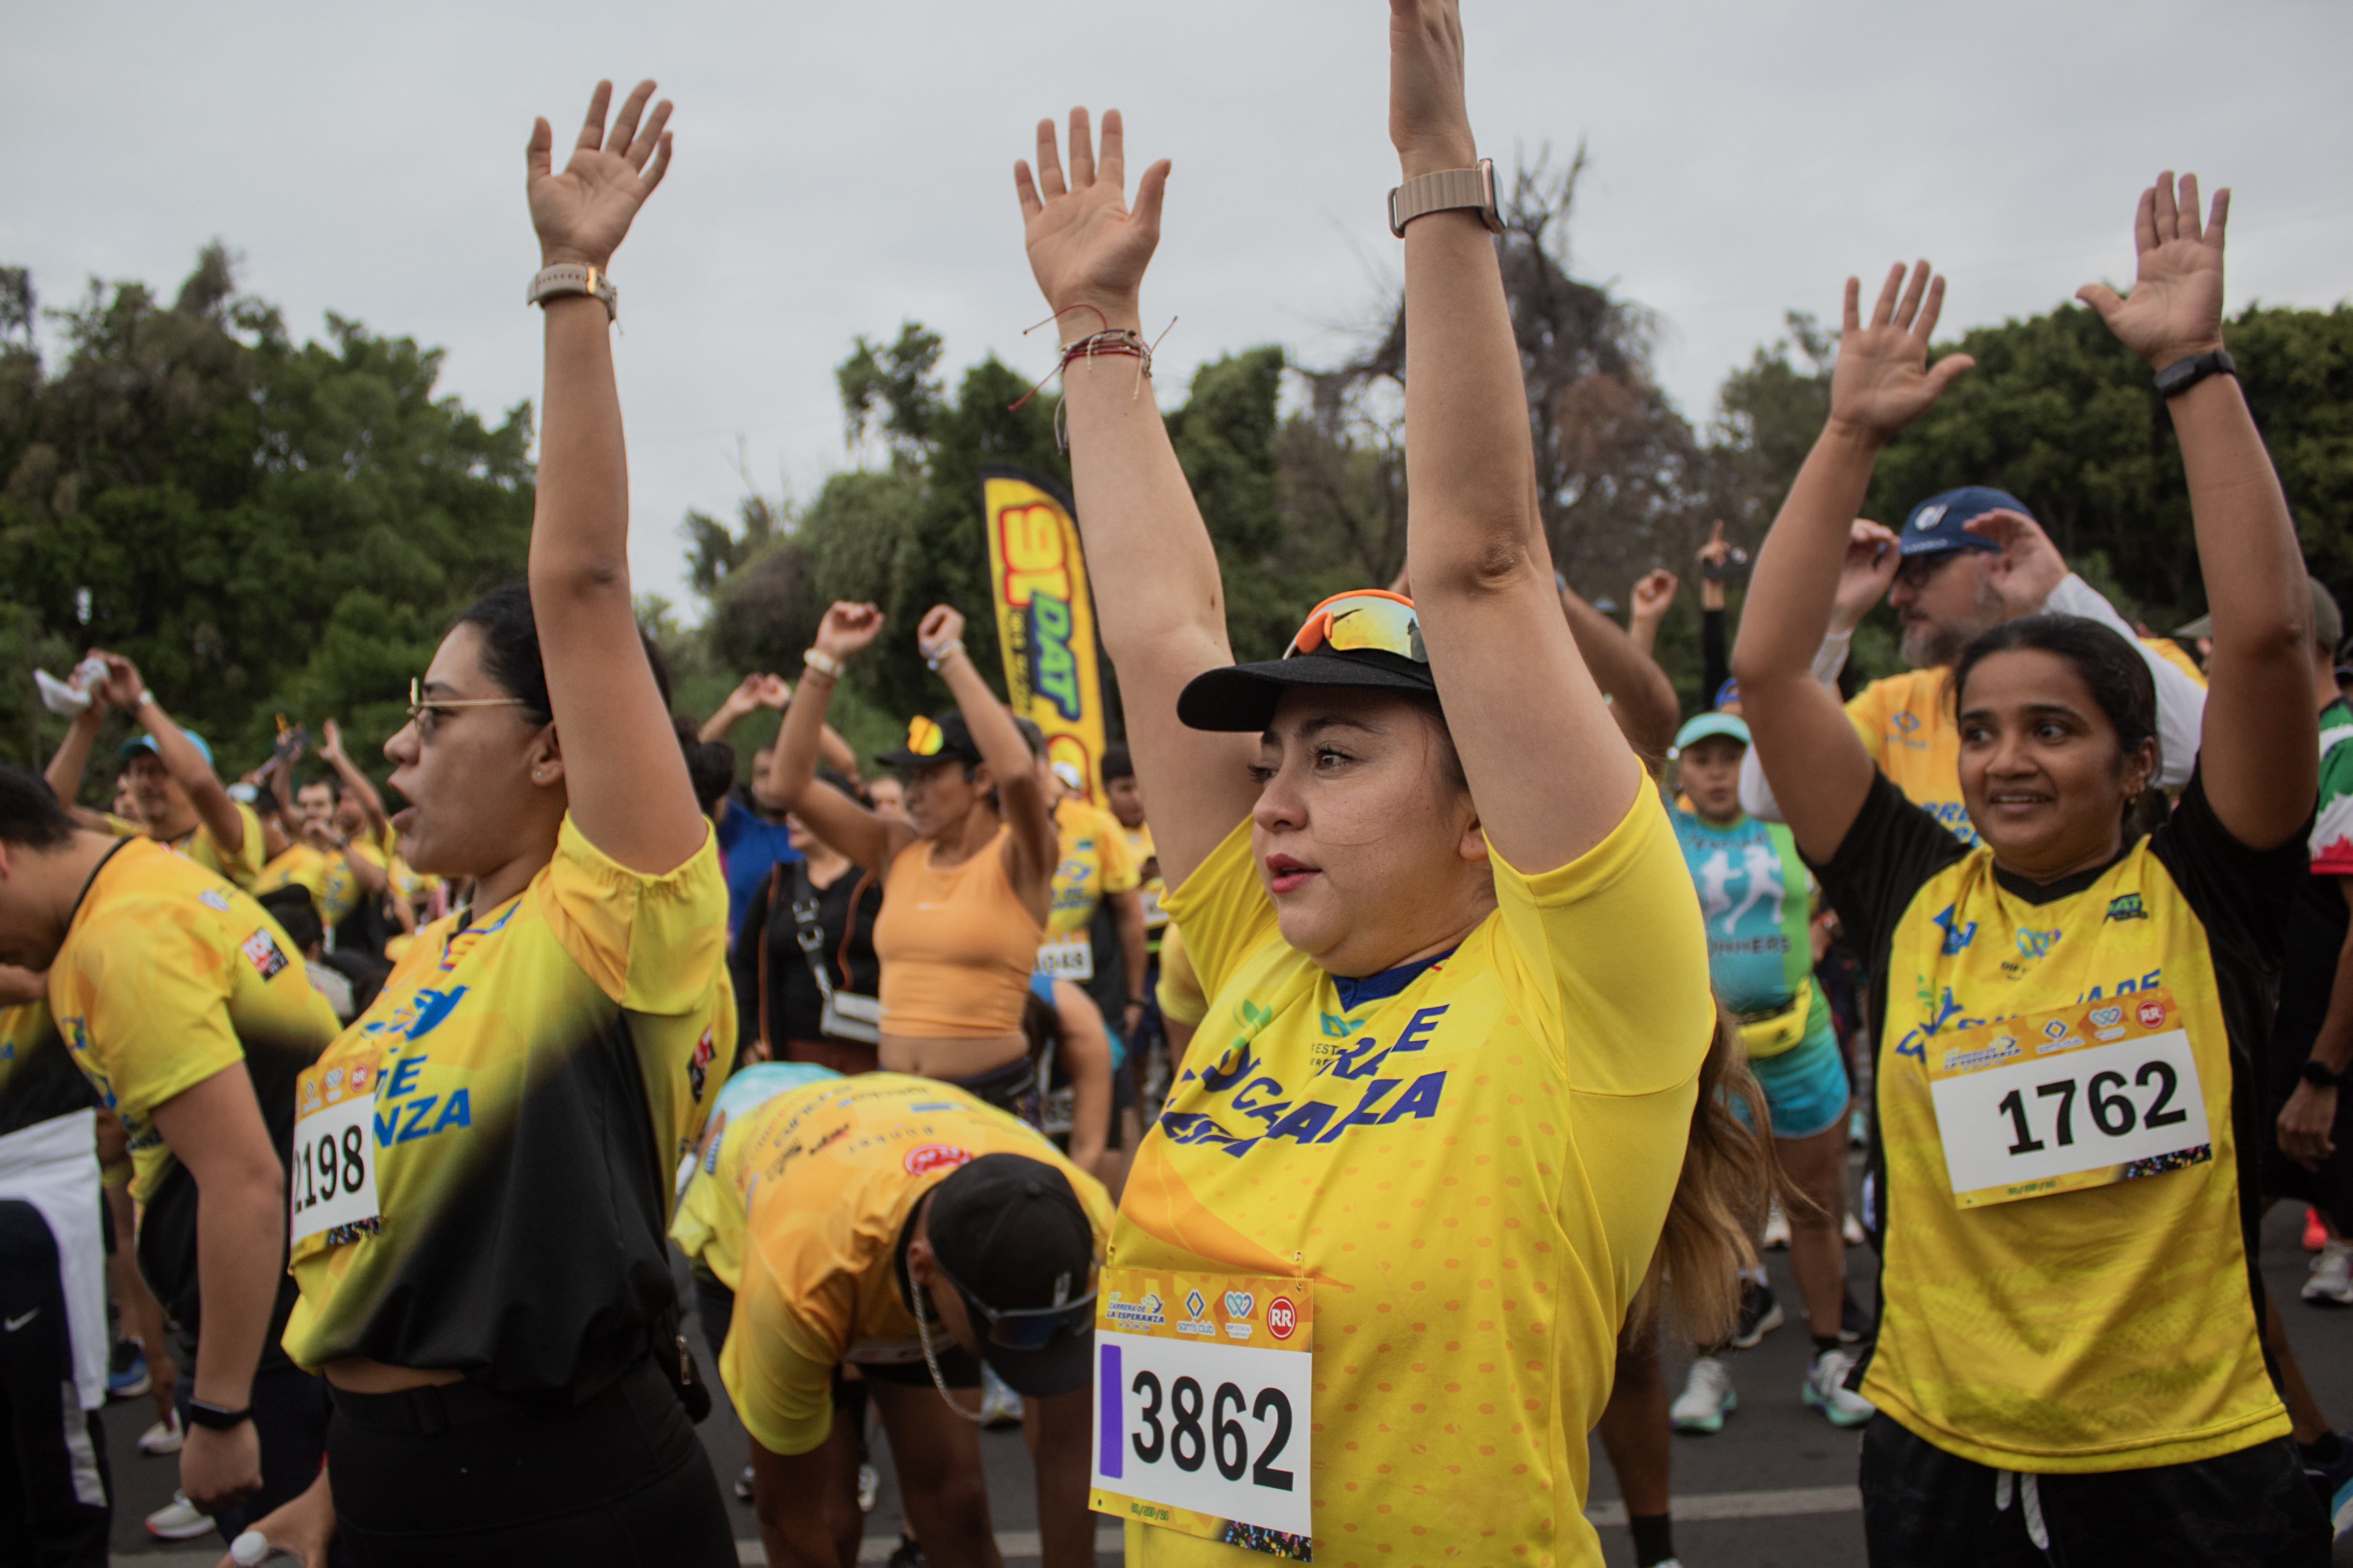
(1882, 380)
(2175, 309)
(1087, 247)
(583, 213)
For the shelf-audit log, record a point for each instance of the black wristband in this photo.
(2184, 373)
(203, 1415)
(2317, 1075)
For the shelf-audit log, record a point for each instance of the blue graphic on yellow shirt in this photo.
(1754, 901)
(1240, 1073)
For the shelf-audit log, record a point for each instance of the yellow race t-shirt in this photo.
(300, 865)
(538, 1071)
(827, 1179)
(1094, 865)
(2109, 1327)
(241, 866)
(1906, 724)
(1145, 856)
(168, 977)
(1472, 1170)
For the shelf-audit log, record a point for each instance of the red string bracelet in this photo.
(1110, 340)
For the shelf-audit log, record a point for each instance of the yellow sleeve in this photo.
(1868, 714)
(1612, 947)
(776, 1365)
(1181, 1001)
(242, 866)
(1226, 913)
(159, 1004)
(652, 944)
(123, 828)
(1121, 869)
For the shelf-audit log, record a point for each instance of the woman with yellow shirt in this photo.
(2068, 1366)
(484, 1160)
(968, 873)
(1434, 1124)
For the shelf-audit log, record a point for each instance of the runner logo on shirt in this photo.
(261, 951)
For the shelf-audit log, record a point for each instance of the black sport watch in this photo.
(2184, 373)
(213, 1416)
(2317, 1075)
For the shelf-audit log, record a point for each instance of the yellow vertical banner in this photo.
(1045, 616)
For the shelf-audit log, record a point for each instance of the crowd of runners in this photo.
(1428, 1024)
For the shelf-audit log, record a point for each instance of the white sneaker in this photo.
(869, 1481)
(1706, 1399)
(1777, 1226)
(1851, 1229)
(1825, 1390)
(164, 1437)
(178, 1519)
(999, 1405)
(2331, 1284)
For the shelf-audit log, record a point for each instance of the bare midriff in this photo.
(968, 1057)
(359, 1374)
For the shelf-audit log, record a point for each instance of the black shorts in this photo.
(959, 1368)
(1924, 1508)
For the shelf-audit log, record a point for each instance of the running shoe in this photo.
(1858, 1129)
(1854, 1323)
(743, 1484)
(178, 1519)
(2316, 1235)
(869, 1481)
(2331, 1284)
(1850, 1229)
(2329, 1479)
(910, 1555)
(1825, 1390)
(1777, 1226)
(1760, 1314)
(2340, 1511)
(126, 1370)
(164, 1437)
(1706, 1399)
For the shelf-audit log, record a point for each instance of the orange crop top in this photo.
(956, 946)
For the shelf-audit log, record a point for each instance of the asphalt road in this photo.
(1774, 1489)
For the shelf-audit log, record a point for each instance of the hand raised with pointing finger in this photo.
(1086, 246)
(583, 213)
(1883, 381)
(2175, 310)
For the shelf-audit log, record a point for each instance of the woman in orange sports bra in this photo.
(967, 872)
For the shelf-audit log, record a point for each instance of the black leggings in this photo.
(54, 1508)
(454, 1477)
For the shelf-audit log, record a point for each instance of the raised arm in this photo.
(1808, 751)
(1036, 847)
(356, 783)
(127, 689)
(1547, 766)
(868, 838)
(1155, 575)
(2259, 746)
(1641, 699)
(623, 776)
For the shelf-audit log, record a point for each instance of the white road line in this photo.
(1746, 1505)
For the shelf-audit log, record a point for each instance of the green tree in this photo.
(264, 527)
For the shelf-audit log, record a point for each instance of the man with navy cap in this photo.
(1965, 561)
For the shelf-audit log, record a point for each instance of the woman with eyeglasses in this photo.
(966, 873)
(483, 1161)
(1460, 1047)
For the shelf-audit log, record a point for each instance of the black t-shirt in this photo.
(38, 1080)
(846, 914)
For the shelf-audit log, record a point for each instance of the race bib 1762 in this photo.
(2079, 1096)
(1204, 1397)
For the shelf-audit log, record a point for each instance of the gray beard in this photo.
(1937, 645)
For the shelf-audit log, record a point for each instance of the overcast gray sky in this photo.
(842, 167)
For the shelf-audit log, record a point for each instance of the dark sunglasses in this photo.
(1026, 1328)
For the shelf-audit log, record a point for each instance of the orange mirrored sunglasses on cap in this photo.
(1366, 619)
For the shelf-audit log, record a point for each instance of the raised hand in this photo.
(746, 695)
(774, 691)
(583, 213)
(847, 628)
(1655, 593)
(941, 626)
(2028, 567)
(2175, 310)
(1086, 247)
(331, 746)
(123, 682)
(1871, 558)
(1883, 381)
(1429, 124)
(1716, 551)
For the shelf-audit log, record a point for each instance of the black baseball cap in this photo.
(1367, 638)
(942, 738)
(1014, 1241)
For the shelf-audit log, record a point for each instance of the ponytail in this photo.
(1718, 1208)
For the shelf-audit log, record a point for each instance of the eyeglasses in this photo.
(1026, 1328)
(420, 711)
(1919, 570)
(1368, 620)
